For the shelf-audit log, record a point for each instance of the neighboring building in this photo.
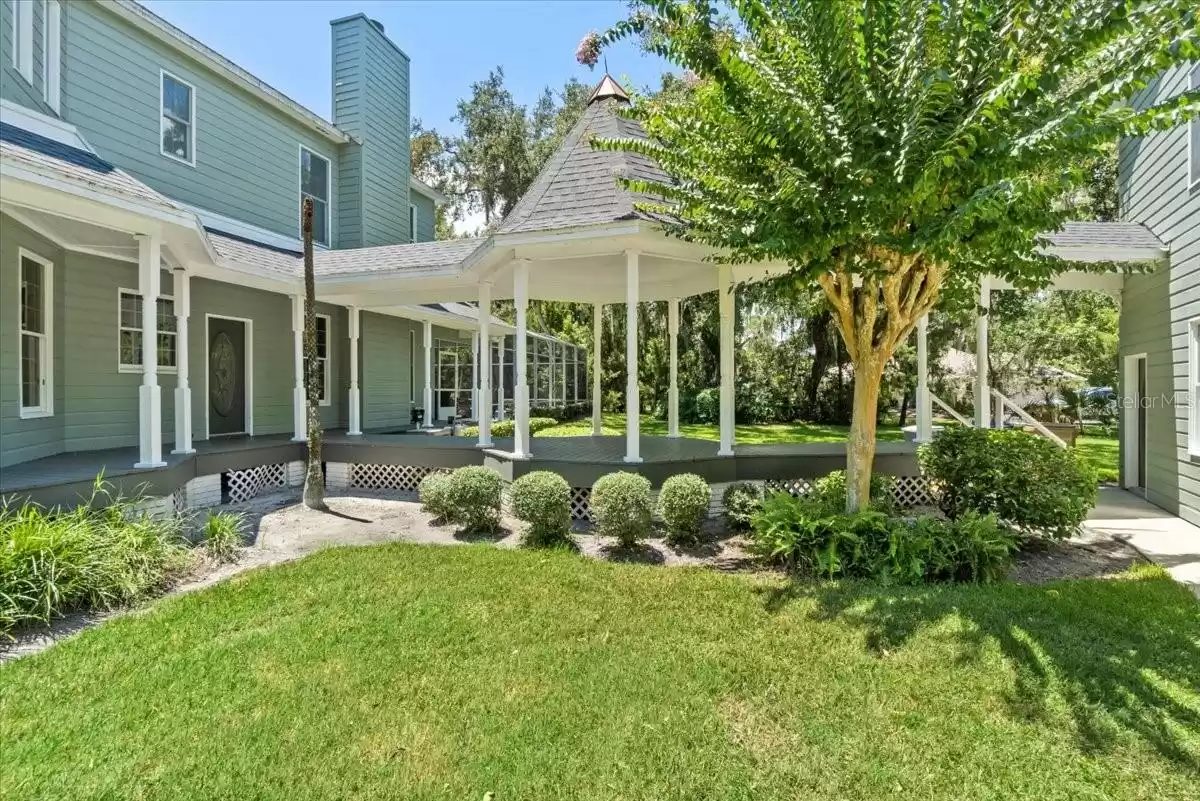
(138, 162)
(1159, 187)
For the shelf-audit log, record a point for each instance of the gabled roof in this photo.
(44, 155)
(578, 185)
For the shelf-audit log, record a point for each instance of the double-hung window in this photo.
(130, 331)
(323, 374)
(314, 183)
(35, 367)
(178, 119)
(1194, 135)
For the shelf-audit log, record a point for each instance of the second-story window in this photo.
(178, 119)
(314, 183)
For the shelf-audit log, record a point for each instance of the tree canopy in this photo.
(889, 151)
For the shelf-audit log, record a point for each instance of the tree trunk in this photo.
(904, 407)
(819, 333)
(860, 448)
(314, 476)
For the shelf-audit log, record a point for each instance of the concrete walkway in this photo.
(1160, 536)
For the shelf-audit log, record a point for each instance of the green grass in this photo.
(1101, 453)
(414, 672)
(749, 434)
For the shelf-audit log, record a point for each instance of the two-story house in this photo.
(140, 164)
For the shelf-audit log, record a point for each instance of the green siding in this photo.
(386, 399)
(22, 440)
(350, 234)
(371, 101)
(1156, 308)
(247, 154)
(13, 86)
(426, 211)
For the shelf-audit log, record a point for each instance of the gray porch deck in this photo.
(66, 478)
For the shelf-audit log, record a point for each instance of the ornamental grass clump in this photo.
(57, 561)
(543, 500)
(621, 507)
(473, 496)
(222, 536)
(682, 506)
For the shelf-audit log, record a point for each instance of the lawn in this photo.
(414, 672)
(1101, 453)
(749, 434)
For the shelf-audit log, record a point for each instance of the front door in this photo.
(226, 377)
(447, 388)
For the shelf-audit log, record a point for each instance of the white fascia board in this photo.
(421, 188)
(1092, 254)
(168, 34)
(43, 125)
(232, 225)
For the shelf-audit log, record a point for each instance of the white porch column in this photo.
(427, 394)
(183, 392)
(983, 407)
(475, 375)
(673, 380)
(299, 400)
(633, 422)
(483, 411)
(725, 303)
(149, 393)
(924, 404)
(355, 395)
(500, 410)
(521, 381)
(597, 382)
(551, 384)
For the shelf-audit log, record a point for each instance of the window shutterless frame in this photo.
(164, 114)
(323, 361)
(130, 367)
(321, 205)
(35, 333)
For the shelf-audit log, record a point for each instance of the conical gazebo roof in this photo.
(578, 185)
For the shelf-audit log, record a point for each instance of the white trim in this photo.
(328, 199)
(167, 33)
(1191, 132)
(191, 124)
(42, 124)
(22, 38)
(1193, 393)
(249, 402)
(327, 389)
(52, 54)
(46, 233)
(425, 190)
(1130, 438)
(412, 223)
(232, 225)
(137, 368)
(1092, 254)
(46, 338)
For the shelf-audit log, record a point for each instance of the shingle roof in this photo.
(255, 254)
(578, 185)
(43, 154)
(389, 258)
(1105, 234)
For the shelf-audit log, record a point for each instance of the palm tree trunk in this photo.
(314, 476)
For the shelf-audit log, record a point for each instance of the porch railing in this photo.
(948, 409)
(1003, 401)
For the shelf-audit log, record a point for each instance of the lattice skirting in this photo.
(242, 485)
(911, 491)
(581, 508)
(404, 477)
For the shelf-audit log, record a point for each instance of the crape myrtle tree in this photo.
(893, 151)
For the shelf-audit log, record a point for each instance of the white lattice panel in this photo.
(910, 491)
(246, 484)
(796, 487)
(581, 508)
(405, 477)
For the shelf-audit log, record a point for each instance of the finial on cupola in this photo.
(608, 87)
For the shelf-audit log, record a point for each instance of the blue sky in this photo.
(451, 43)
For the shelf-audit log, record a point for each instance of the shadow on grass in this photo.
(640, 553)
(493, 536)
(1123, 655)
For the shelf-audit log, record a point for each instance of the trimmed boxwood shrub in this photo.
(473, 498)
(683, 505)
(1025, 480)
(621, 507)
(433, 492)
(741, 501)
(543, 500)
(506, 428)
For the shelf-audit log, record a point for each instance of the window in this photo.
(412, 223)
(323, 388)
(1194, 136)
(130, 329)
(22, 38)
(314, 183)
(1193, 386)
(34, 367)
(177, 100)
